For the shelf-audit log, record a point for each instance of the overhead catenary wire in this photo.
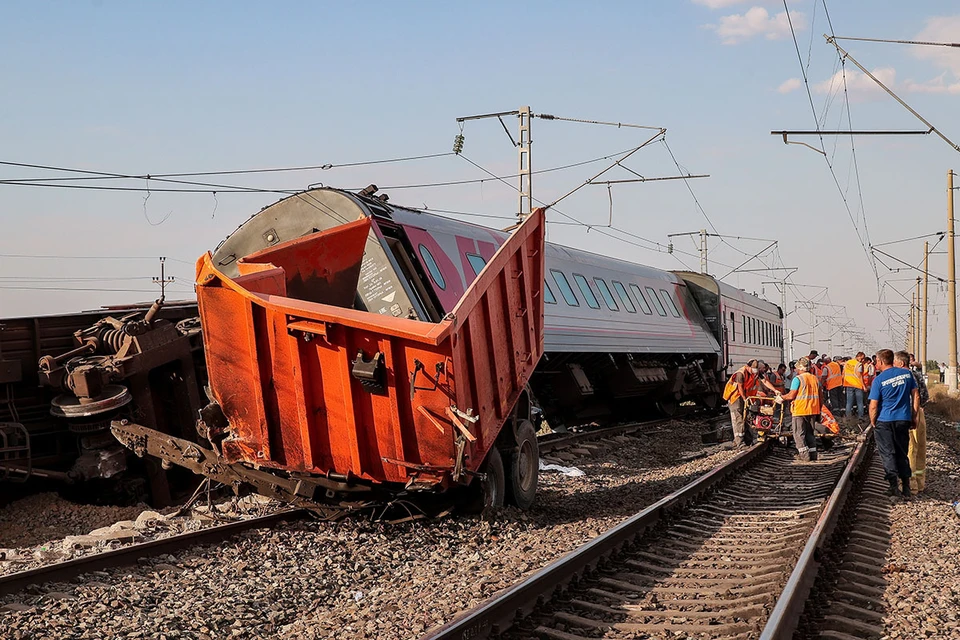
(806, 82)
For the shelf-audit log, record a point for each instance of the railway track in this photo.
(132, 553)
(733, 554)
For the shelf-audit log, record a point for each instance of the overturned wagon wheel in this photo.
(490, 490)
(523, 467)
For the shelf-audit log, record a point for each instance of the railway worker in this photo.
(853, 385)
(894, 404)
(814, 369)
(805, 394)
(869, 373)
(917, 450)
(832, 380)
(790, 376)
(778, 378)
(744, 383)
(741, 385)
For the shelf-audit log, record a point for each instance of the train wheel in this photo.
(523, 467)
(710, 401)
(668, 407)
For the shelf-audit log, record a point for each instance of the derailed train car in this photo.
(336, 324)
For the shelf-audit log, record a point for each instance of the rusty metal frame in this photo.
(267, 354)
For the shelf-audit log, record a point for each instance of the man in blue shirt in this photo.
(894, 403)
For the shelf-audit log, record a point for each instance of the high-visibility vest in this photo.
(851, 378)
(827, 420)
(832, 376)
(731, 394)
(807, 402)
(869, 373)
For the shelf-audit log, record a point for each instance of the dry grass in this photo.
(942, 404)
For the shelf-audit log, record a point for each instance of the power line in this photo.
(885, 41)
(823, 149)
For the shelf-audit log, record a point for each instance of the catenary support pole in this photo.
(916, 325)
(926, 299)
(951, 292)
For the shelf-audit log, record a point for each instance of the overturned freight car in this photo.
(317, 398)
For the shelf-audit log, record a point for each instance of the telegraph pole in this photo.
(926, 301)
(951, 293)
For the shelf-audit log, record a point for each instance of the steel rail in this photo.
(496, 615)
(785, 617)
(553, 441)
(128, 555)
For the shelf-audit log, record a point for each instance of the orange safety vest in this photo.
(807, 402)
(731, 394)
(850, 376)
(827, 420)
(833, 377)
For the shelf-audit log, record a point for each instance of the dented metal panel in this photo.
(314, 386)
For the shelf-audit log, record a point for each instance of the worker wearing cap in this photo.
(745, 382)
(831, 378)
(741, 385)
(853, 385)
(805, 394)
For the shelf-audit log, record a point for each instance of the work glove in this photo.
(778, 399)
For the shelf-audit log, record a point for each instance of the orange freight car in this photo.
(313, 400)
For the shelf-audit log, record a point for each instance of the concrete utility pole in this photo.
(916, 324)
(951, 293)
(926, 300)
(909, 342)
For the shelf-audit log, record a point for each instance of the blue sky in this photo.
(136, 89)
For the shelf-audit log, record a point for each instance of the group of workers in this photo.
(816, 388)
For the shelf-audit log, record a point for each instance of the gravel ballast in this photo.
(923, 562)
(356, 579)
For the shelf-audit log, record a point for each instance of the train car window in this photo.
(733, 327)
(640, 299)
(670, 305)
(624, 297)
(605, 292)
(477, 262)
(586, 291)
(656, 301)
(432, 267)
(565, 290)
(548, 296)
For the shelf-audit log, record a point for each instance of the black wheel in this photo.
(668, 407)
(490, 491)
(523, 467)
(710, 401)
